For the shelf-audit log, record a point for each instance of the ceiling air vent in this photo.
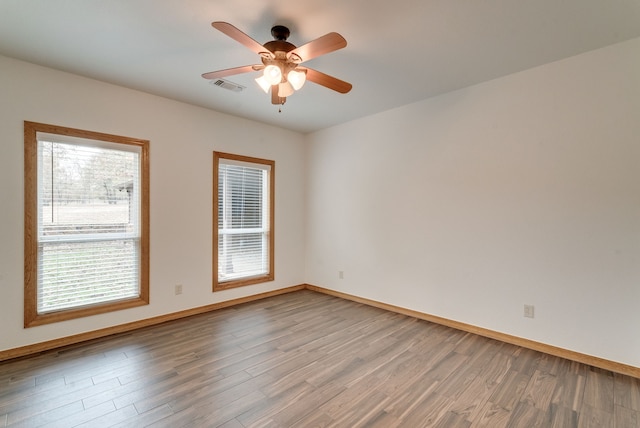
(228, 85)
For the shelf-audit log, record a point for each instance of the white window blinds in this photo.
(243, 220)
(88, 222)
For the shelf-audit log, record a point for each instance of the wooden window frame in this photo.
(31, 316)
(269, 276)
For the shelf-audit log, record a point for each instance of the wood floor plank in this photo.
(562, 417)
(457, 376)
(431, 409)
(306, 359)
(69, 397)
(569, 392)
(316, 419)
(598, 390)
(524, 415)
(401, 372)
(471, 402)
(624, 417)
(166, 386)
(540, 390)
(367, 412)
(491, 415)
(100, 415)
(128, 387)
(214, 413)
(626, 391)
(144, 419)
(592, 417)
(233, 423)
(406, 401)
(47, 417)
(314, 398)
(349, 397)
(452, 420)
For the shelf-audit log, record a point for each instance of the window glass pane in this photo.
(87, 190)
(88, 225)
(243, 207)
(81, 273)
(242, 195)
(241, 242)
(241, 255)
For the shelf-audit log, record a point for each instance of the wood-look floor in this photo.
(306, 359)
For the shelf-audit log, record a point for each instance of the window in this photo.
(243, 190)
(86, 223)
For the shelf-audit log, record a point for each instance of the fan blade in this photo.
(320, 46)
(327, 81)
(229, 72)
(239, 36)
(275, 99)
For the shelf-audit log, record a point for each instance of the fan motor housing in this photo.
(279, 45)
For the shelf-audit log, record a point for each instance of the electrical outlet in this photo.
(340, 274)
(528, 311)
(178, 289)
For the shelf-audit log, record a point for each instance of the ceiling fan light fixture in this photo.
(264, 84)
(281, 62)
(272, 74)
(297, 79)
(285, 89)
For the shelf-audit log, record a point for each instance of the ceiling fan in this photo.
(282, 72)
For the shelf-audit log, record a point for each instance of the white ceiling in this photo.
(398, 51)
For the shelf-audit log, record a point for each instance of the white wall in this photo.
(521, 190)
(182, 140)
